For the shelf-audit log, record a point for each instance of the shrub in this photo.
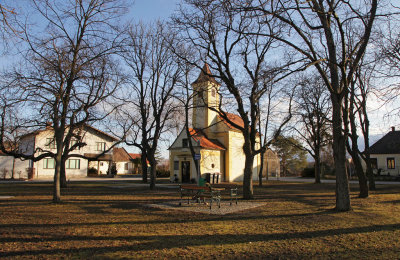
(308, 172)
(162, 173)
(92, 172)
(113, 170)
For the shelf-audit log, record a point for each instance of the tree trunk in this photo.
(260, 173)
(369, 172)
(63, 176)
(153, 171)
(143, 160)
(56, 185)
(339, 155)
(317, 168)
(248, 176)
(13, 169)
(370, 175)
(362, 180)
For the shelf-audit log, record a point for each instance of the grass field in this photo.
(99, 221)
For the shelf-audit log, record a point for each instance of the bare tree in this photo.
(7, 22)
(218, 33)
(270, 123)
(363, 80)
(68, 75)
(154, 74)
(320, 32)
(313, 110)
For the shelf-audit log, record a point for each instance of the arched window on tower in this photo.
(213, 92)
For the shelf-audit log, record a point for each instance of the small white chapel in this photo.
(218, 143)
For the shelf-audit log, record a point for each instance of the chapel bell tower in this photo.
(206, 96)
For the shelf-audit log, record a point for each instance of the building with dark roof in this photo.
(385, 154)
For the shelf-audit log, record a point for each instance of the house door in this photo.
(185, 168)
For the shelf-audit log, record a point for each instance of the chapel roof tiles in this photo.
(233, 118)
(204, 142)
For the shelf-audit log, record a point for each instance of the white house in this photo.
(385, 154)
(13, 167)
(96, 143)
(123, 161)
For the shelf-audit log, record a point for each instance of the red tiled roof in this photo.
(203, 140)
(205, 77)
(136, 156)
(233, 118)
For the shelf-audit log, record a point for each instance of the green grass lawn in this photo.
(101, 222)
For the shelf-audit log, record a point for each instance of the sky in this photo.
(151, 10)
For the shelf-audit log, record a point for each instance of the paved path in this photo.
(123, 179)
(300, 179)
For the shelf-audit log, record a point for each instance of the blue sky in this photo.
(150, 10)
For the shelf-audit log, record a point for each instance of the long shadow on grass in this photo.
(177, 241)
(202, 218)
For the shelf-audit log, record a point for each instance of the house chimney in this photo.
(393, 129)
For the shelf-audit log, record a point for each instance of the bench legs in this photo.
(234, 193)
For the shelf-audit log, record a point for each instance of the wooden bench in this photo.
(233, 191)
(200, 193)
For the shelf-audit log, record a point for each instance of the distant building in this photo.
(123, 161)
(271, 164)
(385, 154)
(97, 142)
(219, 144)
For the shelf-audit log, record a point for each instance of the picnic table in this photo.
(200, 193)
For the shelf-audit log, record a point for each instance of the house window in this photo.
(126, 166)
(176, 165)
(73, 164)
(374, 163)
(74, 142)
(101, 146)
(48, 163)
(390, 163)
(50, 143)
(185, 142)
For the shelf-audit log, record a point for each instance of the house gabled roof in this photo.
(205, 77)
(108, 136)
(388, 144)
(120, 155)
(204, 142)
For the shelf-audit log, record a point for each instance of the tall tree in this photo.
(68, 74)
(8, 24)
(313, 110)
(319, 31)
(293, 159)
(154, 74)
(363, 80)
(218, 33)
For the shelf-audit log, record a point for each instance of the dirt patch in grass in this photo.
(225, 206)
(295, 220)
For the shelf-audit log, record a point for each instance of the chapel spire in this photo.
(205, 76)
